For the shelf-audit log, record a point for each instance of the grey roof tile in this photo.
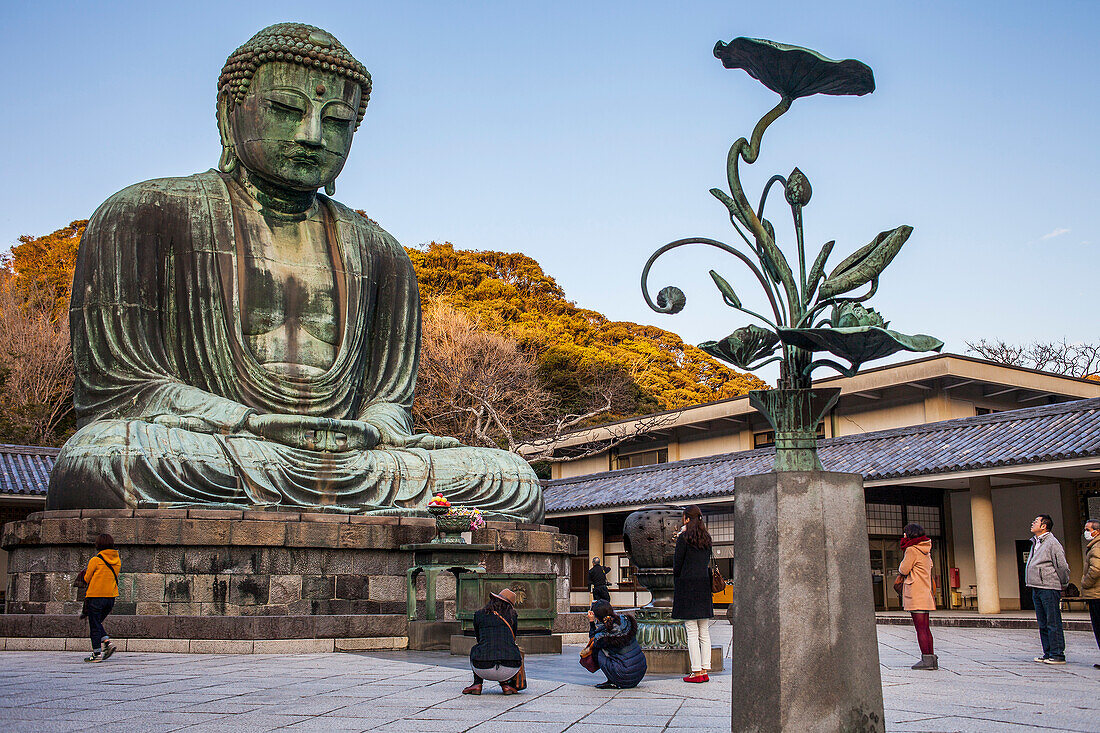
(1013, 438)
(25, 469)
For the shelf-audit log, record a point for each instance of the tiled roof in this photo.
(25, 469)
(1017, 437)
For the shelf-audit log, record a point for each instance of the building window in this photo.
(885, 519)
(720, 526)
(927, 517)
(626, 571)
(985, 411)
(766, 439)
(641, 458)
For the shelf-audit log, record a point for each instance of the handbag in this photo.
(899, 584)
(520, 680)
(717, 582)
(588, 657)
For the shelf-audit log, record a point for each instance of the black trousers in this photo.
(599, 593)
(1094, 616)
(98, 608)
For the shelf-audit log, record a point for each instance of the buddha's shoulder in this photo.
(365, 226)
(179, 191)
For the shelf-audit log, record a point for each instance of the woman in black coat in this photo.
(496, 656)
(692, 601)
(615, 644)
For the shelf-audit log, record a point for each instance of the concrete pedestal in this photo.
(805, 652)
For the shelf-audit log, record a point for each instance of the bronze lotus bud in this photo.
(798, 189)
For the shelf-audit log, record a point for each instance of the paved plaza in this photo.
(987, 683)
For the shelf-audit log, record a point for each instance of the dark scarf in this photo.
(907, 542)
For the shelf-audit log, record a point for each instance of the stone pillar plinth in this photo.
(985, 545)
(805, 650)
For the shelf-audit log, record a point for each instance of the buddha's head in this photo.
(289, 102)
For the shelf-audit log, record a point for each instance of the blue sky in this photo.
(587, 135)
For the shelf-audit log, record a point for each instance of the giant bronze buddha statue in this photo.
(242, 340)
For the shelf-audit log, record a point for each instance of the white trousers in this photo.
(698, 633)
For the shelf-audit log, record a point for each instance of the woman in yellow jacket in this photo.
(101, 577)
(916, 594)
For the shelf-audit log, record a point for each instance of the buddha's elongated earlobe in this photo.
(229, 160)
(330, 188)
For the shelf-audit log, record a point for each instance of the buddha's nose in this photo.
(309, 133)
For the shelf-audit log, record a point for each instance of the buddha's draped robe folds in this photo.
(165, 380)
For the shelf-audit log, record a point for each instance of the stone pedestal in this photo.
(460, 644)
(805, 651)
(427, 636)
(249, 579)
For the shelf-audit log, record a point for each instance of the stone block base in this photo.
(432, 635)
(805, 654)
(528, 643)
(217, 564)
(211, 646)
(676, 661)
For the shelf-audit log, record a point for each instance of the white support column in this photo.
(595, 538)
(985, 545)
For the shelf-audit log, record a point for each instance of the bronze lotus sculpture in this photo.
(242, 340)
(812, 311)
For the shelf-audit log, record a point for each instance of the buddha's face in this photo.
(294, 127)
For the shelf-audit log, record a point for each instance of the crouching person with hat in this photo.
(496, 656)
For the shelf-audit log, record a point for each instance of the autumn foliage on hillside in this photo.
(508, 293)
(506, 357)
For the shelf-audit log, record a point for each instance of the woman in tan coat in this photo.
(916, 595)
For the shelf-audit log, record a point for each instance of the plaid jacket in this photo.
(495, 644)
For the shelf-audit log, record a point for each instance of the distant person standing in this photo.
(916, 592)
(597, 581)
(1047, 573)
(1090, 579)
(101, 578)
(692, 600)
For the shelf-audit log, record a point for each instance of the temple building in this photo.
(969, 449)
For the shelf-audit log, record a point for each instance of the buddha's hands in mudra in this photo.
(315, 433)
(335, 436)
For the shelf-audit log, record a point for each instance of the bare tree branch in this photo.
(1058, 357)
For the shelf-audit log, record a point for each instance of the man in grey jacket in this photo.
(1047, 574)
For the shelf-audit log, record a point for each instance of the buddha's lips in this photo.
(306, 158)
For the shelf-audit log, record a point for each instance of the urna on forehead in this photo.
(293, 43)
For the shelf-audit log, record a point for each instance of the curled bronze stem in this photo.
(713, 243)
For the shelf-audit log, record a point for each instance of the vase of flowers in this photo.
(451, 522)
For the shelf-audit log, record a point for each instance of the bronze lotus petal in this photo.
(793, 71)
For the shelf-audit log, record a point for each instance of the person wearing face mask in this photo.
(1090, 579)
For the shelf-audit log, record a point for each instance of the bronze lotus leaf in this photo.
(793, 71)
(857, 344)
(744, 346)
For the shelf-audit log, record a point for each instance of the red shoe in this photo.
(507, 689)
(695, 678)
(706, 677)
(472, 690)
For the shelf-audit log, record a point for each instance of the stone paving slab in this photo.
(987, 682)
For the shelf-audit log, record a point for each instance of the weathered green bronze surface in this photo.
(536, 599)
(797, 326)
(433, 558)
(240, 339)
